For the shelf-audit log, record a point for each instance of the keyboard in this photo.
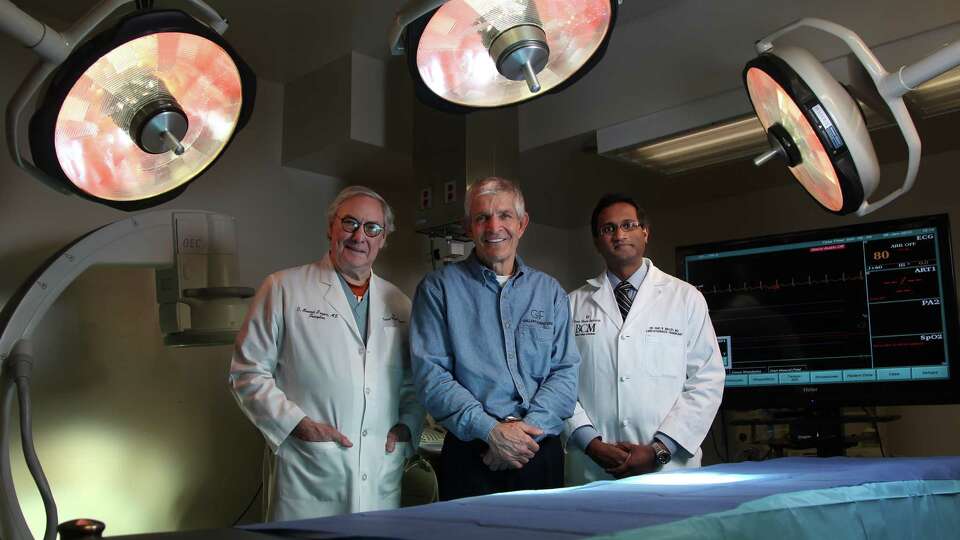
(431, 440)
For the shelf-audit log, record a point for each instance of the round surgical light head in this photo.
(814, 125)
(479, 54)
(140, 110)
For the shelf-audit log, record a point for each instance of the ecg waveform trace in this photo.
(800, 309)
(775, 284)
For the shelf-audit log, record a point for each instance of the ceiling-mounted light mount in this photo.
(466, 55)
(516, 43)
(155, 120)
(796, 97)
(132, 115)
(782, 145)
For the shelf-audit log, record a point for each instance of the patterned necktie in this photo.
(624, 295)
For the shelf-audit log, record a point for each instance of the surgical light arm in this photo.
(410, 12)
(194, 253)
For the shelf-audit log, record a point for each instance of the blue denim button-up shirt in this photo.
(481, 353)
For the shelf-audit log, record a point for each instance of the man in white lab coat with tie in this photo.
(651, 378)
(322, 368)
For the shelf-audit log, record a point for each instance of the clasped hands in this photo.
(313, 431)
(511, 445)
(622, 459)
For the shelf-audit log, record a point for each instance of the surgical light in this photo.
(479, 54)
(133, 114)
(818, 129)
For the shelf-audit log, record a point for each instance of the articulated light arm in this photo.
(45, 41)
(136, 241)
(410, 12)
(192, 249)
(55, 47)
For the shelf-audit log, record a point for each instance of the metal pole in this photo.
(35, 35)
(912, 76)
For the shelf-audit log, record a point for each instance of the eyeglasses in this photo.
(608, 229)
(371, 228)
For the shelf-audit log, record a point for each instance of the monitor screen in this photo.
(857, 315)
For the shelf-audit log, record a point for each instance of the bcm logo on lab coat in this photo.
(585, 326)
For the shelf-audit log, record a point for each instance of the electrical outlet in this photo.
(426, 198)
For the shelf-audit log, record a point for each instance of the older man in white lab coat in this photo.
(321, 367)
(651, 378)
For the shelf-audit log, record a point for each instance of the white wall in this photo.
(566, 254)
(143, 437)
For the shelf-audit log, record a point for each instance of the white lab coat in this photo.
(660, 370)
(299, 354)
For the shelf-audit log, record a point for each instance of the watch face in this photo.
(662, 454)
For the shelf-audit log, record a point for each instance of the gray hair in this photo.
(492, 185)
(350, 192)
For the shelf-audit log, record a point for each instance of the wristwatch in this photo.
(661, 453)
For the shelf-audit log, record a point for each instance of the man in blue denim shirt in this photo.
(493, 354)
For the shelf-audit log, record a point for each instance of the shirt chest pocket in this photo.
(533, 344)
(664, 355)
(541, 333)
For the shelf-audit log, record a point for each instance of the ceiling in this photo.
(664, 55)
